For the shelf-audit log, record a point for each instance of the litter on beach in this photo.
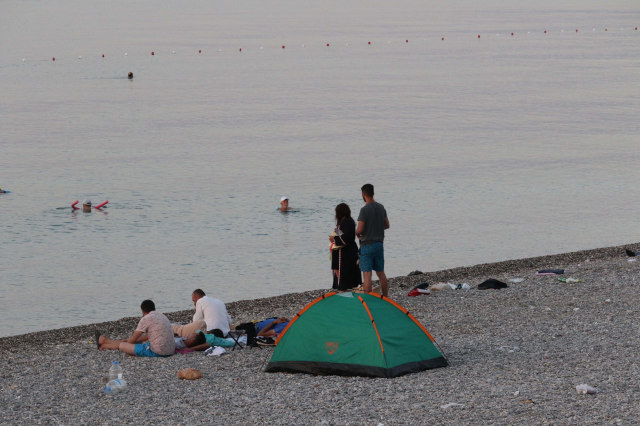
(215, 351)
(443, 287)
(550, 272)
(516, 280)
(569, 280)
(422, 288)
(586, 390)
(189, 374)
(451, 404)
(492, 284)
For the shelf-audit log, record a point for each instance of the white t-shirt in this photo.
(214, 313)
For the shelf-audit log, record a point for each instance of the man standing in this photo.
(372, 222)
(212, 311)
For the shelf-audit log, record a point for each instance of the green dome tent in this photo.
(352, 334)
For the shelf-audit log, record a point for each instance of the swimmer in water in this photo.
(2, 191)
(284, 204)
(86, 206)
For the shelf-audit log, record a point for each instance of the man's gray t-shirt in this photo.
(373, 215)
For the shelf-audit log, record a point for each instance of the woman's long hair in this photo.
(342, 211)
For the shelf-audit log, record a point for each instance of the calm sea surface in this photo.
(480, 149)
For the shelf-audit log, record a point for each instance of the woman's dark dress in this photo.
(346, 259)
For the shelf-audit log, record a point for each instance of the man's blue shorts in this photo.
(144, 349)
(372, 258)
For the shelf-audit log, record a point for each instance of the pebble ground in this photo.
(516, 356)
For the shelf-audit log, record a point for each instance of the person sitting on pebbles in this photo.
(153, 336)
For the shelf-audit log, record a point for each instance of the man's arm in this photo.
(198, 315)
(360, 229)
(136, 338)
(202, 347)
(386, 223)
(265, 330)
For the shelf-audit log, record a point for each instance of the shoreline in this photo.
(515, 356)
(290, 303)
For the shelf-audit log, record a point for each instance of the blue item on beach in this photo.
(5, 192)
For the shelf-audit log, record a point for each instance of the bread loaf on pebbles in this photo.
(189, 374)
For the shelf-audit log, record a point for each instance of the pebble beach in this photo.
(516, 356)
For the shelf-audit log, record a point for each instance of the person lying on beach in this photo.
(271, 327)
(200, 341)
(187, 330)
(284, 205)
(153, 336)
(212, 311)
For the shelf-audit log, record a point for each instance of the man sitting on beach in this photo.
(212, 311)
(153, 336)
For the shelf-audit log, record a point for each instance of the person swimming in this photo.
(284, 204)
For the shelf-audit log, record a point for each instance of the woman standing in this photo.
(344, 258)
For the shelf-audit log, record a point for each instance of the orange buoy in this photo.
(241, 49)
(576, 30)
(442, 38)
(511, 33)
(545, 32)
(605, 29)
(478, 35)
(199, 51)
(407, 41)
(103, 55)
(54, 59)
(152, 53)
(283, 46)
(327, 44)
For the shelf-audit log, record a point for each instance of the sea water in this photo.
(481, 149)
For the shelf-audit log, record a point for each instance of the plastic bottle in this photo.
(115, 372)
(114, 386)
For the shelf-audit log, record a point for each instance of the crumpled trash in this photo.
(215, 351)
(416, 272)
(442, 287)
(464, 286)
(516, 280)
(451, 404)
(422, 288)
(569, 280)
(632, 260)
(586, 390)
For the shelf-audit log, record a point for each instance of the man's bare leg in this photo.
(366, 282)
(383, 282)
(106, 343)
(128, 348)
(109, 343)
